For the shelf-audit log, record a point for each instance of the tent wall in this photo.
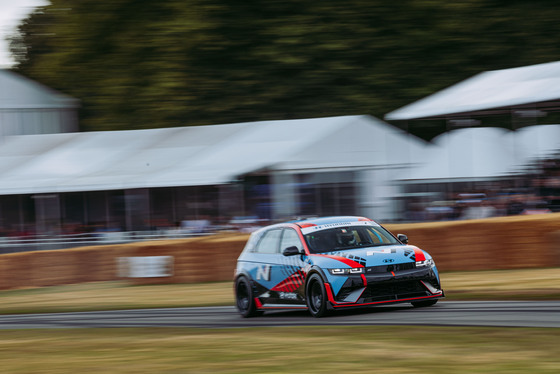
(37, 121)
(27, 107)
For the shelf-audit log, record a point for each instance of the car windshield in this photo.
(348, 237)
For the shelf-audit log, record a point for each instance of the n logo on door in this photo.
(263, 272)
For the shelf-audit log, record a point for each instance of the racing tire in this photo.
(422, 304)
(316, 296)
(244, 298)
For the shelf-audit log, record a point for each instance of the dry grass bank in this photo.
(503, 284)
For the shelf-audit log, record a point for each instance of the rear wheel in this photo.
(316, 296)
(244, 298)
(421, 304)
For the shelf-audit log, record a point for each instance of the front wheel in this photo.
(316, 296)
(421, 304)
(244, 298)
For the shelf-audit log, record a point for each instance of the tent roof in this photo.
(19, 92)
(490, 92)
(203, 155)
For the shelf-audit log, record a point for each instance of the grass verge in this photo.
(526, 284)
(386, 349)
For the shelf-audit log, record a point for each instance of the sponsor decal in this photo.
(388, 260)
(371, 253)
(307, 230)
(287, 295)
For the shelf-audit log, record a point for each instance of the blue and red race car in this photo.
(331, 263)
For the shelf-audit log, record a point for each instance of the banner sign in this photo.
(145, 267)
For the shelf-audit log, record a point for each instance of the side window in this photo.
(269, 242)
(379, 237)
(290, 238)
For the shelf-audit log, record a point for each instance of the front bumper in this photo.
(387, 287)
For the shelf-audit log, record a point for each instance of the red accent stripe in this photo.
(387, 301)
(290, 284)
(330, 294)
(345, 260)
(284, 307)
(304, 225)
(364, 280)
(258, 303)
(419, 255)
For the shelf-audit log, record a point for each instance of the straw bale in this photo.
(495, 243)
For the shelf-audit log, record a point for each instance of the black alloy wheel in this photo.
(316, 296)
(244, 298)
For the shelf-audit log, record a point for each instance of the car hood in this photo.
(374, 256)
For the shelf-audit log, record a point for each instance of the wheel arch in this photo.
(246, 275)
(315, 270)
(310, 293)
(241, 274)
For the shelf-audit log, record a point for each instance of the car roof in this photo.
(329, 220)
(316, 221)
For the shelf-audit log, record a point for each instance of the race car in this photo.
(331, 263)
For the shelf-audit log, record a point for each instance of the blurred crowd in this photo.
(535, 192)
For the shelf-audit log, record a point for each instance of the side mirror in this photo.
(403, 238)
(291, 251)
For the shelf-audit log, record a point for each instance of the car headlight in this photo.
(346, 271)
(425, 264)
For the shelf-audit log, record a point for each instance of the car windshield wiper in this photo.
(345, 248)
(356, 247)
(370, 245)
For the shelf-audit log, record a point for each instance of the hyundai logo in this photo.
(388, 260)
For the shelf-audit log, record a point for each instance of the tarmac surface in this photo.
(445, 313)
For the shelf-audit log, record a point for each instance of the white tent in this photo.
(489, 91)
(205, 155)
(27, 107)
(469, 154)
(486, 152)
(537, 141)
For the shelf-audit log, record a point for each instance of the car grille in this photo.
(381, 291)
(390, 268)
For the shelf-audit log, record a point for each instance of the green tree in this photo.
(143, 64)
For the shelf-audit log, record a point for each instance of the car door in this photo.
(264, 265)
(289, 270)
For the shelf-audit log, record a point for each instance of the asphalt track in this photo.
(445, 313)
